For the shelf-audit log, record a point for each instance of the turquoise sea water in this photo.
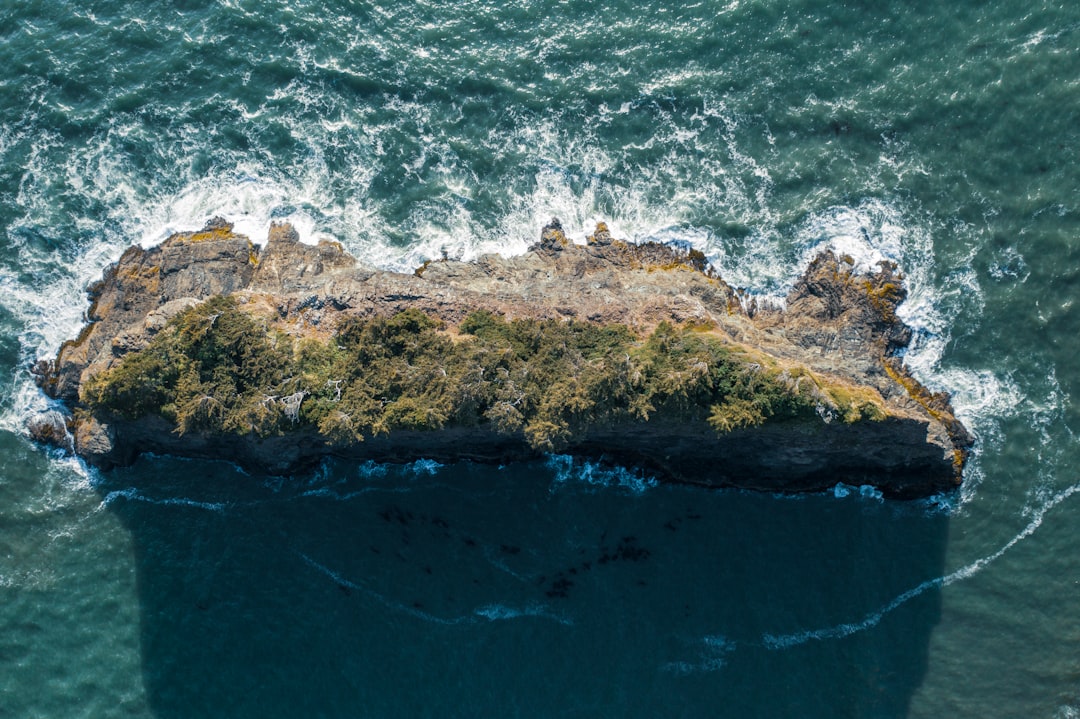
(944, 138)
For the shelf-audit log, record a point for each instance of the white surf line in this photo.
(783, 641)
(501, 612)
(330, 494)
(714, 649)
(133, 495)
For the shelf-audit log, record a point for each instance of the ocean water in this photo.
(943, 137)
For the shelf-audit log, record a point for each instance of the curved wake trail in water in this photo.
(133, 495)
(839, 631)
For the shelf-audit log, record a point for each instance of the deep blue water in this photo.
(944, 138)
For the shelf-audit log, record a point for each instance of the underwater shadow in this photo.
(530, 591)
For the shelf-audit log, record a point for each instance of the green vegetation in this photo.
(217, 368)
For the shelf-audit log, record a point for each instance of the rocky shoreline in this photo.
(841, 406)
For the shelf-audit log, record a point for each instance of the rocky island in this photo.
(274, 357)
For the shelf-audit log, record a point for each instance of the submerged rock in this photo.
(806, 397)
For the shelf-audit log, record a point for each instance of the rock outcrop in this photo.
(839, 328)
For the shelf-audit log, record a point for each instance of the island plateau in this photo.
(638, 355)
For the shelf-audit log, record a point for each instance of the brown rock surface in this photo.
(837, 322)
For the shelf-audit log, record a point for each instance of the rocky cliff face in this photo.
(839, 327)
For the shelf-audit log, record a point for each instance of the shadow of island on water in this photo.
(527, 590)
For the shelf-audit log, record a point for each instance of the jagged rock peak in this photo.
(552, 236)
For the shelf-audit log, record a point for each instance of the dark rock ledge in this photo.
(838, 328)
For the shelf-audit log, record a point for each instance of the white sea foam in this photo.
(768, 263)
(422, 468)
(569, 182)
(372, 469)
(133, 495)
(65, 486)
(251, 193)
(876, 231)
(574, 472)
(1009, 266)
(50, 301)
(865, 491)
(713, 651)
(502, 612)
(1067, 711)
(576, 176)
(250, 201)
(29, 579)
